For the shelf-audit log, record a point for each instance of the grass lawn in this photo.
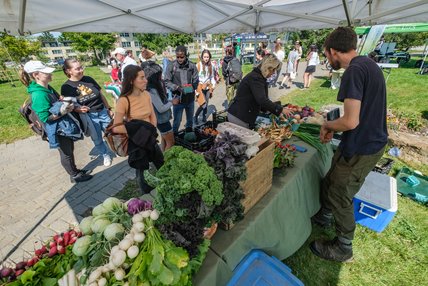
(12, 126)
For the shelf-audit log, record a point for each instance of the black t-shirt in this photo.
(87, 91)
(363, 80)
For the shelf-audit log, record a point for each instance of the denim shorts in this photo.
(164, 127)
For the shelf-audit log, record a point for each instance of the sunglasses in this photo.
(180, 57)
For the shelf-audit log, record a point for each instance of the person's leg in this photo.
(342, 182)
(229, 93)
(207, 95)
(285, 79)
(177, 111)
(190, 109)
(198, 111)
(66, 149)
(305, 79)
(98, 121)
(309, 79)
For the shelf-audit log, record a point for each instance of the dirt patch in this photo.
(413, 147)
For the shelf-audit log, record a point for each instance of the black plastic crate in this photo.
(384, 165)
(208, 124)
(219, 117)
(202, 143)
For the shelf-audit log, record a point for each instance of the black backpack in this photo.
(33, 119)
(234, 70)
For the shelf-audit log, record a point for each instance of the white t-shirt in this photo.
(126, 62)
(280, 55)
(314, 59)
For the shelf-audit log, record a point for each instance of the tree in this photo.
(17, 48)
(46, 37)
(406, 40)
(313, 37)
(159, 42)
(97, 43)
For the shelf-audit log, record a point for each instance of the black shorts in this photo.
(164, 127)
(310, 69)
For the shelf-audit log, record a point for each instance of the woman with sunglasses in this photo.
(92, 102)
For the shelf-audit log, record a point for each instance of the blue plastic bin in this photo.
(259, 269)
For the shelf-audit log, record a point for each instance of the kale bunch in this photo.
(227, 158)
(184, 172)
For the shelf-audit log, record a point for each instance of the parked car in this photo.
(52, 63)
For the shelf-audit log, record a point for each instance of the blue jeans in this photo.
(100, 119)
(177, 111)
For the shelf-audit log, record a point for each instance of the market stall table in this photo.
(278, 224)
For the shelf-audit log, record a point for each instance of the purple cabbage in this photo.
(137, 205)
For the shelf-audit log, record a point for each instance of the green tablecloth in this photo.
(278, 224)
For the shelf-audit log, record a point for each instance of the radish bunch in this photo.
(57, 245)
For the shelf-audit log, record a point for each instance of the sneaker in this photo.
(80, 177)
(87, 172)
(281, 87)
(107, 160)
(333, 250)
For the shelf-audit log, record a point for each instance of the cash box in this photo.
(375, 204)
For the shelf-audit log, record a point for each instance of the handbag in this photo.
(292, 75)
(118, 142)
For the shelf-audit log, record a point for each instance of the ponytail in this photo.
(24, 77)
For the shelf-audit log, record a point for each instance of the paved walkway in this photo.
(37, 198)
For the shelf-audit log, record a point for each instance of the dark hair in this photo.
(67, 65)
(229, 51)
(153, 73)
(261, 52)
(209, 62)
(129, 75)
(343, 39)
(182, 49)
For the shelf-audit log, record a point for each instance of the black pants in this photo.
(204, 107)
(158, 162)
(66, 149)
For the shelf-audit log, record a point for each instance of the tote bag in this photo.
(118, 142)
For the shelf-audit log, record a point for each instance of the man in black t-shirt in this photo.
(364, 138)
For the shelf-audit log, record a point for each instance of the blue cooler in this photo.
(259, 269)
(376, 203)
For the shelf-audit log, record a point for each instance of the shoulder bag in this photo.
(118, 142)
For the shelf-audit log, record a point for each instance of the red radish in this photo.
(52, 251)
(19, 272)
(66, 238)
(32, 261)
(61, 249)
(55, 237)
(20, 265)
(52, 244)
(73, 240)
(6, 272)
(60, 241)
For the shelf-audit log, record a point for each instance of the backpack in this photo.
(33, 119)
(234, 70)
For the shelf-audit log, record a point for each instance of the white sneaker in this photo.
(107, 160)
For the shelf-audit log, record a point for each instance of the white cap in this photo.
(121, 51)
(37, 66)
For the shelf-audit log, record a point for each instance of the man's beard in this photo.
(335, 65)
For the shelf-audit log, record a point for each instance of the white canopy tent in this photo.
(200, 16)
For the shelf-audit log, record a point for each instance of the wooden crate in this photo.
(259, 177)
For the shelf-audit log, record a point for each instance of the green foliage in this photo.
(406, 40)
(310, 37)
(183, 173)
(16, 48)
(159, 42)
(98, 43)
(46, 37)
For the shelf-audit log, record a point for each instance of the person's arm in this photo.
(258, 91)
(40, 104)
(195, 78)
(157, 102)
(152, 118)
(213, 81)
(169, 77)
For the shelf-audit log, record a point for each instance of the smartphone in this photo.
(333, 114)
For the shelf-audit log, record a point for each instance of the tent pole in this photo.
(345, 7)
(22, 10)
(425, 57)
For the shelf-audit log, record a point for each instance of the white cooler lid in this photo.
(380, 190)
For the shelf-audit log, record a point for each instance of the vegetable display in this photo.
(227, 157)
(187, 193)
(283, 156)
